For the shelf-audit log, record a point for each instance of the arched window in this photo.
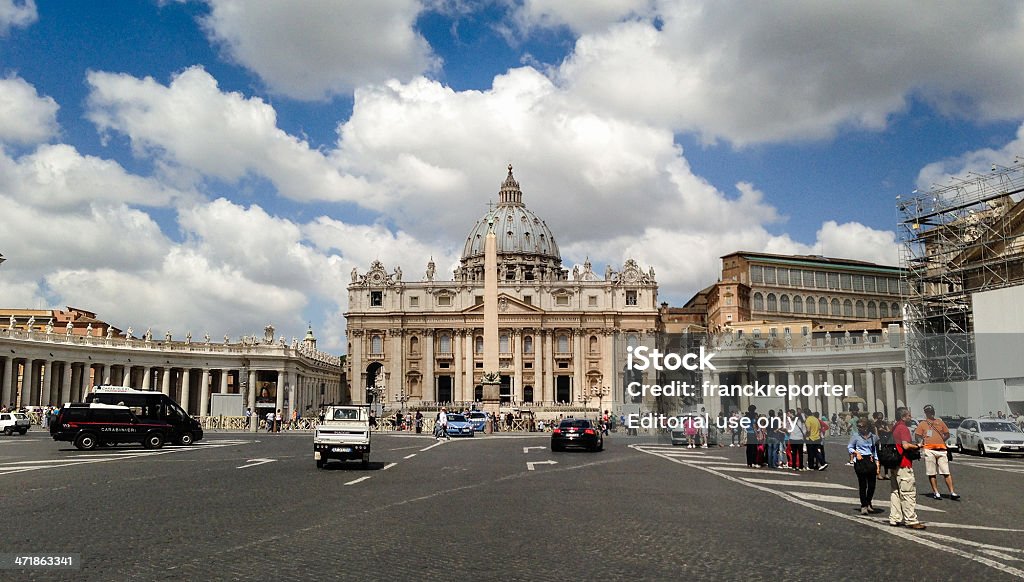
(503, 343)
(562, 345)
(414, 345)
(884, 309)
(479, 344)
(848, 308)
(822, 306)
(445, 344)
(860, 309)
(376, 344)
(528, 344)
(528, 393)
(835, 307)
(798, 304)
(784, 303)
(758, 302)
(872, 310)
(773, 304)
(894, 309)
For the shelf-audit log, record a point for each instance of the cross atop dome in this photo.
(510, 194)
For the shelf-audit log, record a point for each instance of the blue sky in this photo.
(212, 166)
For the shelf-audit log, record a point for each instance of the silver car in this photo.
(989, 435)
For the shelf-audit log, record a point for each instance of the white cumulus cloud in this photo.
(14, 14)
(25, 116)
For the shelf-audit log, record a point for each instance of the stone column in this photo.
(460, 362)
(282, 379)
(428, 366)
(5, 387)
(147, 376)
(889, 377)
(85, 386)
(869, 390)
(579, 385)
(251, 403)
(65, 384)
(204, 393)
(44, 392)
(549, 364)
(186, 380)
(538, 368)
(712, 403)
(106, 373)
(355, 379)
(468, 386)
(517, 365)
(28, 379)
(224, 373)
(830, 377)
(126, 379)
(165, 381)
(608, 366)
(75, 387)
(851, 379)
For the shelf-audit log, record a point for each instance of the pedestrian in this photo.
(442, 425)
(796, 441)
(278, 418)
(751, 431)
(903, 500)
(270, 421)
(248, 417)
(815, 458)
(932, 433)
(419, 422)
(864, 448)
(772, 444)
(398, 420)
(735, 441)
(690, 430)
(883, 429)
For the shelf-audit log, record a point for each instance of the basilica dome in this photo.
(524, 242)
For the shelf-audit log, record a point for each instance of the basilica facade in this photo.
(421, 342)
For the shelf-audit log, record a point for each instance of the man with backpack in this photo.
(899, 455)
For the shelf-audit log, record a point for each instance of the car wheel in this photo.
(86, 441)
(185, 439)
(154, 440)
(981, 449)
(320, 463)
(8, 431)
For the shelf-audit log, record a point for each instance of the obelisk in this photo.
(492, 379)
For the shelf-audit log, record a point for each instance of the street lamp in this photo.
(376, 392)
(401, 398)
(600, 392)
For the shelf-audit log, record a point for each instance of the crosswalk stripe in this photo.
(849, 500)
(800, 484)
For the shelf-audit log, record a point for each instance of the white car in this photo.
(12, 422)
(989, 435)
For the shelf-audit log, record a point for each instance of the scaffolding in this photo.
(957, 239)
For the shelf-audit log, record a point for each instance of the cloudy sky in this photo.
(216, 165)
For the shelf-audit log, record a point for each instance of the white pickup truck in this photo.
(343, 433)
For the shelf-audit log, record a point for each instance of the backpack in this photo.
(888, 455)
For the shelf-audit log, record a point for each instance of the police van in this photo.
(92, 425)
(154, 406)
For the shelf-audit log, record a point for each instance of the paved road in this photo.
(241, 506)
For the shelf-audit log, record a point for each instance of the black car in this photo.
(92, 425)
(577, 432)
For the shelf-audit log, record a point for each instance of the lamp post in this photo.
(401, 398)
(376, 392)
(600, 392)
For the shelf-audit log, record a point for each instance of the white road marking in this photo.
(916, 537)
(966, 526)
(256, 462)
(854, 501)
(85, 457)
(388, 466)
(359, 480)
(527, 449)
(800, 483)
(531, 466)
(409, 456)
(437, 444)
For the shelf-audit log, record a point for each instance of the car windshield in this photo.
(481, 415)
(456, 418)
(575, 423)
(999, 427)
(346, 414)
(953, 424)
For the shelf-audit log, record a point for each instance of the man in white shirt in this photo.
(442, 423)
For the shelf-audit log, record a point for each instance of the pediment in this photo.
(507, 305)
